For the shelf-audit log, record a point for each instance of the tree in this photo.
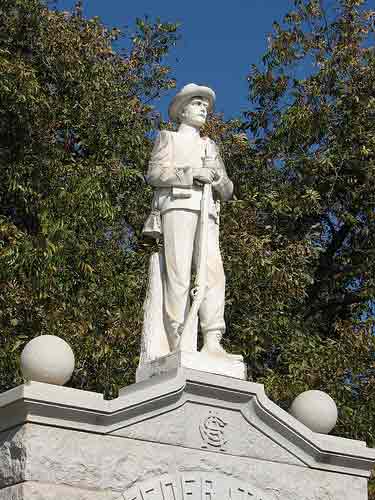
(75, 124)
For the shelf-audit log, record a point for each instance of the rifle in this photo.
(200, 283)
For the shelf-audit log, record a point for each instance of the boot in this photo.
(211, 342)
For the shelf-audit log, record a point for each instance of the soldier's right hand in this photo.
(204, 175)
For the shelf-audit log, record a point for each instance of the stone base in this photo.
(185, 435)
(230, 365)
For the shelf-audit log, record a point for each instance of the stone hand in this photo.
(204, 175)
(212, 163)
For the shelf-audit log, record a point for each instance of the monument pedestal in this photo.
(229, 365)
(181, 435)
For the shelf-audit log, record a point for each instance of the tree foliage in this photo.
(75, 121)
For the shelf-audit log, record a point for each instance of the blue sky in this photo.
(219, 40)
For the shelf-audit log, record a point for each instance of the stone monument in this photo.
(189, 180)
(191, 428)
(182, 435)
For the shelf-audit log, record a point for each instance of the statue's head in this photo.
(194, 113)
(191, 105)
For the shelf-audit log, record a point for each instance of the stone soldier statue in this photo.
(181, 164)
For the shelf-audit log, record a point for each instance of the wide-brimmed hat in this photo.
(184, 96)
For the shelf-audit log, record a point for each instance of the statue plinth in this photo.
(229, 365)
(183, 435)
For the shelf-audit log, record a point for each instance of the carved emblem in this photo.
(212, 431)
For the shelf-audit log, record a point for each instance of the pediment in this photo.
(192, 410)
(211, 427)
(179, 402)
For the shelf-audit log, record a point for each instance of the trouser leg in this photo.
(179, 228)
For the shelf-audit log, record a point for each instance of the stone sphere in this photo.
(48, 359)
(316, 410)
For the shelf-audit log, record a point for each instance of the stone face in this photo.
(39, 491)
(12, 456)
(108, 466)
(238, 436)
(205, 432)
